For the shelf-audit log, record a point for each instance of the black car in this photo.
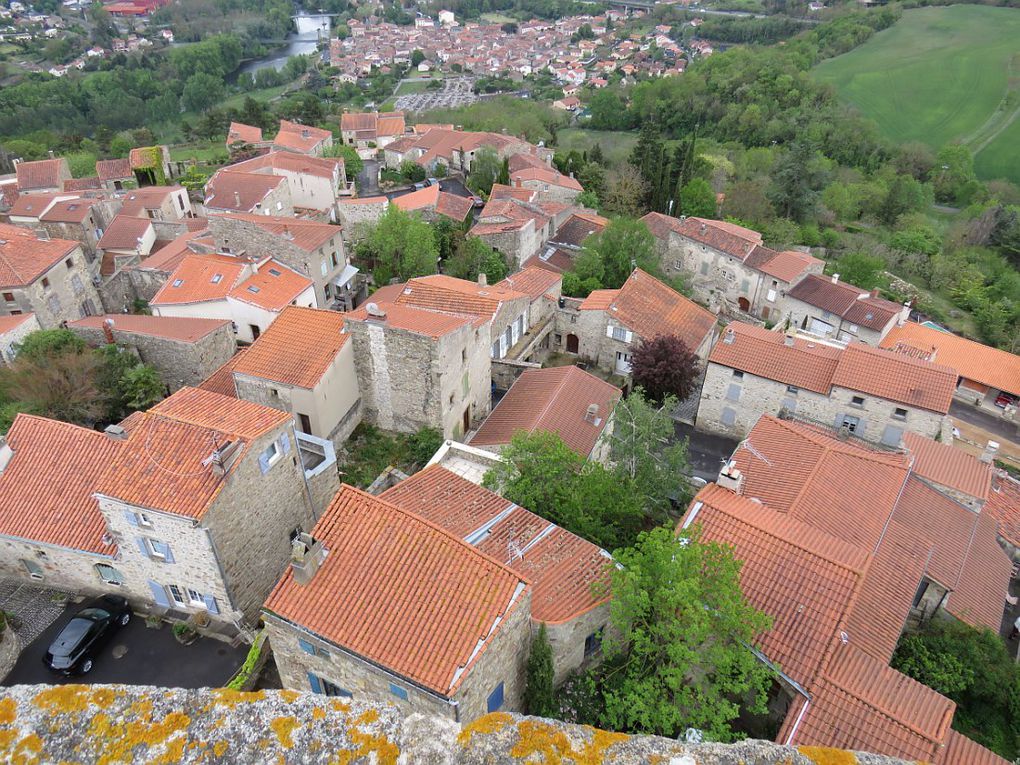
(73, 650)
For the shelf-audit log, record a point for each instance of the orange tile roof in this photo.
(170, 255)
(46, 488)
(199, 278)
(545, 175)
(8, 323)
(273, 287)
(446, 293)
(400, 592)
(499, 191)
(35, 204)
(896, 377)
(24, 257)
(948, 466)
(764, 353)
(599, 300)
(238, 191)
(1004, 505)
(853, 304)
(412, 319)
(566, 571)
(532, 281)
(114, 169)
(730, 238)
(321, 167)
(181, 328)
(788, 265)
(137, 201)
(222, 380)
(70, 210)
(972, 360)
(960, 750)
(303, 138)
(454, 207)
(238, 131)
(41, 174)
(297, 349)
(124, 233)
(554, 400)
(161, 464)
(984, 579)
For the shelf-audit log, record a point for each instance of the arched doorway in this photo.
(745, 304)
(572, 343)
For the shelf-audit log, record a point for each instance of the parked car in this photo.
(1004, 399)
(431, 181)
(477, 201)
(75, 648)
(420, 185)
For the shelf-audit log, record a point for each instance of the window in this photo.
(330, 689)
(739, 375)
(307, 647)
(269, 457)
(334, 259)
(852, 328)
(771, 296)
(857, 401)
(593, 643)
(728, 416)
(217, 278)
(277, 272)
(176, 594)
(900, 413)
(45, 283)
(619, 333)
(306, 423)
(733, 393)
(323, 653)
(463, 354)
(76, 284)
(53, 303)
(495, 700)
(678, 265)
(400, 693)
(851, 423)
(792, 390)
(180, 201)
(178, 282)
(15, 313)
(157, 550)
(745, 285)
(69, 262)
(196, 598)
(253, 289)
(704, 269)
(9, 297)
(144, 520)
(109, 574)
(34, 569)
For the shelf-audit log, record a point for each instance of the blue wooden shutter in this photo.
(314, 683)
(130, 517)
(264, 463)
(839, 419)
(210, 604)
(159, 594)
(142, 546)
(495, 699)
(306, 647)
(285, 443)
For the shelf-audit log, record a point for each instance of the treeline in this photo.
(251, 21)
(524, 9)
(750, 31)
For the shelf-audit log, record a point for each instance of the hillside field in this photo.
(940, 75)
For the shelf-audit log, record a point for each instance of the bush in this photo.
(423, 444)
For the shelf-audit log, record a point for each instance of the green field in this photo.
(940, 75)
(616, 145)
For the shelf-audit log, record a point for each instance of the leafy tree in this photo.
(607, 110)
(50, 343)
(61, 385)
(202, 91)
(697, 199)
(539, 695)
(353, 164)
(612, 254)
(796, 178)
(473, 256)
(141, 387)
(416, 57)
(905, 195)
(401, 246)
(412, 171)
(485, 169)
(423, 444)
(625, 192)
(748, 201)
(954, 171)
(860, 269)
(664, 366)
(677, 656)
(589, 199)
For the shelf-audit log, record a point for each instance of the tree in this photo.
(664, 366)
(59, 385)
(401, 246)
(697, 199)
(142, 387)
(412, 171)
(796, 178)
(646, 453)
(589, 199)
(417, 57)
(905, 195)
(747, 200)
(860, 269)
(625, 192)
(954, 171)
(353, 164)
(611, 255)
(539, 695)
(485, 169)
(677, 656)
(472, 256)
(607, 110)
(202, 91)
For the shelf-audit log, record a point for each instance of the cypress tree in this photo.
(539, 697)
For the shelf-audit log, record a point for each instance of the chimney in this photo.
(835, 278)
(731, 478)
(904, 317)
(988, 455)
(375, 313)
(729, 336)
(483, 279)
(108, 331)
(237, 199)
(874, 292)
(116, 432)
(306, 555)
(222, 457)
(52, 155)
(592, 415)
(788, 339)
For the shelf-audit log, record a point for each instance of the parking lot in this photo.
(456, 91)
(136, 655)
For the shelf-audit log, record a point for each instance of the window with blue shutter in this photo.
(495, 699)
(399, 692)
(285, 443)
(210, 604)
(130, 517)
(314, 683)
(733, 392)
(306, 646)
(159, 594)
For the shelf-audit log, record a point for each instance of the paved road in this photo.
(152, 657)
(706, 452)
(368, 178)
(985, 420)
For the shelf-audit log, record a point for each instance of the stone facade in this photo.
(731, 405)
(568, 641)
(519, 243)
(409, 381)
(509, 325)
(65, 292)
(549, 192)
(502, 661)
(179, 363)
(353, 213)
(804, 316)
(58, 567)
(11, 338)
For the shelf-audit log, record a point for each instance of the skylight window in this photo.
(178, 282)
(274, 271)
(253, 288)
(216, 278)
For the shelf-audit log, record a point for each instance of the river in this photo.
(303, 41)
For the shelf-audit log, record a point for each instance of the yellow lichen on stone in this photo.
(541, 738)
(8, 711)
(367, 717)
(490, 723)
(26, 751)
(120, 739)
(289, 696)
(63, 698)
(220, 748)
(230, 697)
(823, 755)
(341, 706)
(283, 727)
(367, 744)
(318, 713)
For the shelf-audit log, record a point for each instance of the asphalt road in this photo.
(368, 179)
(985, 420)
(150, 657)
(705, 452)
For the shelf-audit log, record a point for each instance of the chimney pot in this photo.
(788, 339)
(988, 455)
(731, 478)
(483, 279)
(116, 432)
(306, 555)
(108, 330)
(237, 198)
(835, 278)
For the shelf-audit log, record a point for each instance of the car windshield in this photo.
(71, 636)
(95, 614)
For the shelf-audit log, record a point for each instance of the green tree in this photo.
(677, 656)
(60, 384)
(202, 91)
(353, 164)
(49, 343)
(953, 173)
(623, 245)
(796, 178)
(625, 192)
(416, 57)
(607, 110)
(860, 269)
(141, 387)
(905, 195)
(401, 246)
(539, 694)
(485, 169)
(472, 256)
(697, 199)
(412, 171)
(588, 199)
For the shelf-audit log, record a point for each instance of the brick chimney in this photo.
(108, 331)
(731, 478)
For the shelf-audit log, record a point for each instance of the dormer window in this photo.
(274, 271)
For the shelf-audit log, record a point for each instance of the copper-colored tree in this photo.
(664, 366)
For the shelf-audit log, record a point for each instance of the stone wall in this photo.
(354, 213)
(13, 337)
(179, 363)
(800, 315)
(68, 295)
(567, 640)
(506, 371)
(84, 724)
(61, 568)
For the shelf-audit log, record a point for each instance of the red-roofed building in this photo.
(517, 228)
(234, 191)
(430, 202)
(82, 217)
(547, 183)
(238, 134)
(316, 183)
(379, 128)
(828, 307)
(302, 139)
(877, 395)
(42, 175)
(13, 330)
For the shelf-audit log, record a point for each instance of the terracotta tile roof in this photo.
(577, 228)
(388, 293)
(297, 349)
(183, 329)
(273, 287)
(82, 184)
(599, 300)
(373, 124)
(34, 205)
(418, 200)
(8, 194)
(199, 278)
(974, 361)
(948, 466)
(454, 207)
(24, 257)
(302, 138)
(851, 303)
(554, 400)
(446, 293)
(786, 266)
(42, 174)
(1004, 505)
(532, 281)
(764, 353)
(114, 169)
(409, 318)
(290, 161)
(984, 579)
(650, 308)
(428, 621)
(238, 191)
(390, 123)
(124, 233)
(46, 488)
(547, 176)
(222, 380)
(8, 323)
(502, 215)
(566, 572)
(960, 750)
(170, 255)
(896, 377)
(730, 238)
(69, 211)
(499, 191)
(238, 131)
(137, 201)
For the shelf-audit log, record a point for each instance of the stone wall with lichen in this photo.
(119, 724)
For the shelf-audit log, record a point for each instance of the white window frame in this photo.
(176, 594)
(150, 545)
(274, 454)
(194, 602)
(143, 520)
(99, 570)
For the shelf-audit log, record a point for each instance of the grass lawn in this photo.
(616, 145)
(407, 88)
(497, 18)
(208, 153)
(939, 75)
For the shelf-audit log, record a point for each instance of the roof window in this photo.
(253, 288)
(178, 282)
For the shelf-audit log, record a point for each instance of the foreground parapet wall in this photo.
(123, 724)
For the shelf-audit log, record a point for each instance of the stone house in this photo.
(516, 228)
(311, 248)
(534, 173)
(876, 395)
(370, 571)
(365, 130)
(728, 265)
(239, 134)
(304, 365)
(185, 351)
(44, 276)
(565, 244)
(238, 192)
(454, 149)
(354, 214)
(568, 574)
(302, 139)
(430, 202)
(115, 174)
(13, 330)
(315, 183)
(420, 368)
(125, 241)
(185, 509)
(827, 307)
(81, 217)
(42, 175)
(604, 327)
(162, 203)
(567, 401)
(543, 289)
